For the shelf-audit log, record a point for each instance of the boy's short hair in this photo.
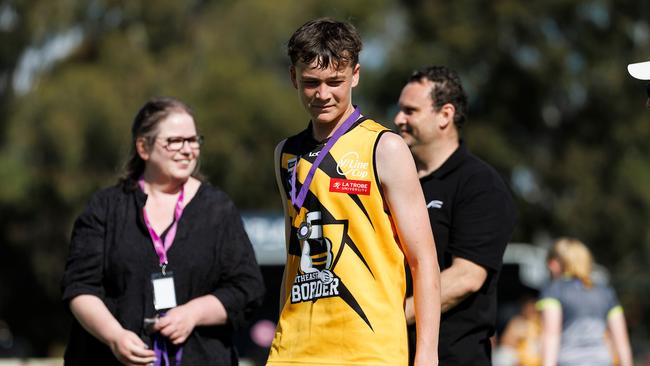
(327, 41)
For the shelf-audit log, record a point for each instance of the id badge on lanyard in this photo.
(164, 291)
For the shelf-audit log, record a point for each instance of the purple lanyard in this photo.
(160, 349)
(160, 247)
(300, 200)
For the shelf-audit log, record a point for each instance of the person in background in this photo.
(576, 312)
(160, 270)
(470, 209)
(522, 334)
(641, 71)
(354, 210)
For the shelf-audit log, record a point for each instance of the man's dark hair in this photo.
(327, 41)
(447, 88)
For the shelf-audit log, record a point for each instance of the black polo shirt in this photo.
(472, 215)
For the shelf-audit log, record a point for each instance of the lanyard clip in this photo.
(163, 267)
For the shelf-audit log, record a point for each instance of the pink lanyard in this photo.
(160, 247)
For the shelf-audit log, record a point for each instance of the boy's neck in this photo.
(324, 130)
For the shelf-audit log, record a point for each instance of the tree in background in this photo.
(66, 130)
(552, 107)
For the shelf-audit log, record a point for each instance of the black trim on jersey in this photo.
(349, 299)
(374, 165)
(357, 200)
(328, 219)
(294, 243)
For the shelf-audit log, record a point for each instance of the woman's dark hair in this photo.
(327, 41)
(145, 125)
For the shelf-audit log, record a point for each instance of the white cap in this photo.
(640, 70)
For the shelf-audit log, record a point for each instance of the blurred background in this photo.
(551, 107)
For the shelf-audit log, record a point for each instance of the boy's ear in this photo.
(355, 74)
(292, 75)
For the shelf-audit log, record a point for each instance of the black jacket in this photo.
(112, 257)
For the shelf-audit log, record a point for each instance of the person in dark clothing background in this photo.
(471, 211)
(160, 267)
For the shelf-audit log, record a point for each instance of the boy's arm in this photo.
(277, 158)
(398, 177)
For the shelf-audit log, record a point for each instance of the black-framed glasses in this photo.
(176, 143)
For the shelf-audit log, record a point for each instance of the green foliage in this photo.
(549, 93)
(551, 105)
(550, 97)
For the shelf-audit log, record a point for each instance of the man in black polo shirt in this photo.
(471, 211)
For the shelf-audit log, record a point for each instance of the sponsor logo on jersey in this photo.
(350, 186)
(315, 279)
(351, 166)
(315, 285)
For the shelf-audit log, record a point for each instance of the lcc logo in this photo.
(351, 166)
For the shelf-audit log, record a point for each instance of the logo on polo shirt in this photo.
(434, 204)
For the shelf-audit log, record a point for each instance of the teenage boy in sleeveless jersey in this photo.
(470, 208)
(354, 210)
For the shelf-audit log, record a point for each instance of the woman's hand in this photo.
(93, 315)
(177, 324)
(129, 349)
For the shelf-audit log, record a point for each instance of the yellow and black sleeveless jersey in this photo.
(344, 280)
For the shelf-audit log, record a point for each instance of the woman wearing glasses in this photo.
(160, 270)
